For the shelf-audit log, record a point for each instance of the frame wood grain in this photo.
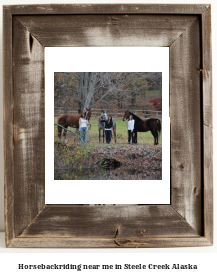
(186, 30)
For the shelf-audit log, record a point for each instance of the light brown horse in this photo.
(66, 120)
(153, 125)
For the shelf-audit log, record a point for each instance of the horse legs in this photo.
(100, 135)
(59, 132)
(114, 131)
(65, 133)
(155, 134)
(135, 137)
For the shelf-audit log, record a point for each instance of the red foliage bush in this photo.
(157, 103)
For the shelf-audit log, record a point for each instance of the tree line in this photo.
(97, 89)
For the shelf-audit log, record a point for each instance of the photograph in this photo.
(107, 125)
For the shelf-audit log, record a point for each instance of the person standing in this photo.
(131, 123)
(83, 123)
(108, 129)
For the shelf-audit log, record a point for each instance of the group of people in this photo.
(83, 126)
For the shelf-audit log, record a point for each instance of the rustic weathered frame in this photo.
(186, 29)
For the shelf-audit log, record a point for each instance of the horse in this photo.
(66, 120)
(101, 125)
(154, 125)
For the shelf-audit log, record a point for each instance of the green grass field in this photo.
(143, 138)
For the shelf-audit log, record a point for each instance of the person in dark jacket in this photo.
(108, 129)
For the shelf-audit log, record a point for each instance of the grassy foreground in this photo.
(143, 138)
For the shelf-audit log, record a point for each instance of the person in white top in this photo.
(131, 123)
(83, 123)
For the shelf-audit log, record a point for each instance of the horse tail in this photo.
(61, 121)
(158, 126)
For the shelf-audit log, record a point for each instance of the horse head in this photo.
(126, 115)
(87, 114)
(103, 116)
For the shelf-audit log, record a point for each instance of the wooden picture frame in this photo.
(186, 30)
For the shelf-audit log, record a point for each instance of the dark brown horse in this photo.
(66, 120)
(153, 125)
